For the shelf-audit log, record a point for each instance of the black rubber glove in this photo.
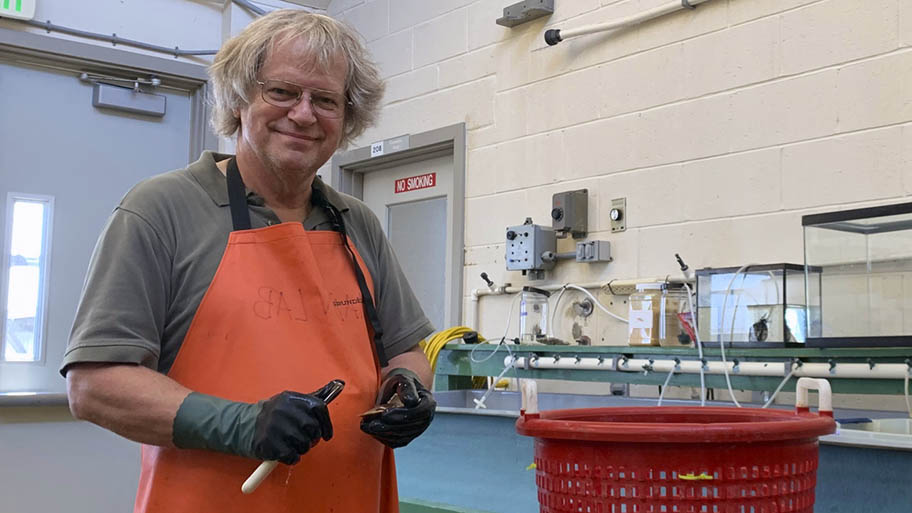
(397, 426)
(280, 428)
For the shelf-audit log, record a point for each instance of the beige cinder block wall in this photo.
(721, 126)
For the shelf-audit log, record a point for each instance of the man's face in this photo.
(292, 140)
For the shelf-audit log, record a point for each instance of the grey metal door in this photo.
(54, 142)
(412, 206)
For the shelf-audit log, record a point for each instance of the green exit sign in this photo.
(19, 9)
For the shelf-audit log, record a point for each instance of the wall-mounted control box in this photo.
(526, 244)
(570, 213)
(593, 251)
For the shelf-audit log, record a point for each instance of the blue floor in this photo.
(479, 462)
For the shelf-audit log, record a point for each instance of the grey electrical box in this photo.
(521, 12)
(526, 244)
(593, 251)
(570, 213)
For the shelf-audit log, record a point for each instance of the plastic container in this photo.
(679, 459)
(654, 316)
(533, 314)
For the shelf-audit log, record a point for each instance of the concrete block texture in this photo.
(745, 54)
(370, 19)
(393, 54)
(410, 85)
(731, 185)
(638, 82)
(905, 23)
(448, 33)
(785, 111)
(855, 167)
(837, 31)
(563, 101)
(741, 11)
(907, 158)
(410, 13)
(875, 92)
(510, 113)
(470, 66)
(337, 7)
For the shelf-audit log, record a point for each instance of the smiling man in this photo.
(223, 298)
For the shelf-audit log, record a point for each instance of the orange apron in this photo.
(283, 312)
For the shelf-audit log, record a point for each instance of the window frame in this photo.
(41, 316)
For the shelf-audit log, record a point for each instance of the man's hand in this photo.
(405, 408)
(281, 428)
(289, 424)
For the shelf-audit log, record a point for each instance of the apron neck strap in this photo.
(319, 199)
(237, 197)
(240, 219)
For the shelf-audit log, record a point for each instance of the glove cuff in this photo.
(402, 371)
(209, 422)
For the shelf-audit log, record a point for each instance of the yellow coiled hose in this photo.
(435, 343)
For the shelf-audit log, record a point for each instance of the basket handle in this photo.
(825, 398)
(529, 389)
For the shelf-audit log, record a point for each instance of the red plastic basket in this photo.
(676, 459)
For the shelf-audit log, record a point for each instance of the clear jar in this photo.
(533, 314)
(655, 316)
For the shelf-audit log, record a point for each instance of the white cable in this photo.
(502, 340)
(480, 403)
(693, 321)
(596, 301)
(722, 330)
(906, 391)
(665, 385)
(551, 330)
(781, 384)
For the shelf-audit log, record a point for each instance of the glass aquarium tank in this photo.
(865, 261)
(756, 306)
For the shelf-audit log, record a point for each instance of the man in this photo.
(221, 293)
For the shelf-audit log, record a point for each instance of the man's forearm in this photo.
(413, 360)
(130, 400)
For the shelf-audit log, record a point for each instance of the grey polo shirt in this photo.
(161, 247)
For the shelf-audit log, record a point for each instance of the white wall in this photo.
(721, 126)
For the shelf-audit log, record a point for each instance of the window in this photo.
(25, 261)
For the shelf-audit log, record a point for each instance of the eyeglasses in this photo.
(286, 94)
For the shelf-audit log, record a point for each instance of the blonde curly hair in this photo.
(236, 65)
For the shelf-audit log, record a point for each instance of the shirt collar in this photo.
(211, 179)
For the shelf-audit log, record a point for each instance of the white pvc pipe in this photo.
(655, 12)
(773, 369)
(825, 393)
(567, 362)
(529, 388)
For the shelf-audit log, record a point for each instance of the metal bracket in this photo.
(522, 12)
(687, 5)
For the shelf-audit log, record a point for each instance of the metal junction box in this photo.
(570, 213)
(526, 244)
